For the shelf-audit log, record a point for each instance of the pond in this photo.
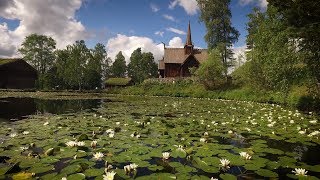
(18, 108)
(163, 138)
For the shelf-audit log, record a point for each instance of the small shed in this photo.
(17, 74)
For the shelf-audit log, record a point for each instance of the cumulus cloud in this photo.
(261, 3)
(176, 42)
(54, 18)
(127, 44)
(154, 7)
(177, 31)
(159, 33)
(190, 6)
(168, 17)
(6, 47)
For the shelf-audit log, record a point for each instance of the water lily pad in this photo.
(78, 176)
(266, 173)
(93, 172)
(22, 176)
(228, 177)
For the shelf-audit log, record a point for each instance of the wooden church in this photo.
(177, 61)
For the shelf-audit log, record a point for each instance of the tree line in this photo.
(283, 46)
(79, 67)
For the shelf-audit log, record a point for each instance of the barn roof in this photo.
(6, 61)
(177, 55)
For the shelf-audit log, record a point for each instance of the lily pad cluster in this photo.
(164, 138)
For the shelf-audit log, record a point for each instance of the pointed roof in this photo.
(189, 41)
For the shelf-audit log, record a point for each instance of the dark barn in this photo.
(177, 61)
(17, 74)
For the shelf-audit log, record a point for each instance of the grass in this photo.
(118, 81)
(298, 97)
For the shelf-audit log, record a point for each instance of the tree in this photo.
(142, 66)
(274, 61)
(211, 72)
(216, 15)
(94, 67)
(304, 18)
(119, 67)
(72, 64)
(38, 50)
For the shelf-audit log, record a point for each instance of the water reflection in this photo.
(19, 108)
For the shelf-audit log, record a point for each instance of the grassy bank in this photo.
(298, 97)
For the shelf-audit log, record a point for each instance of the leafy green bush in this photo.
(211, 72)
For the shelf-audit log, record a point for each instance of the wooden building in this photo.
(17, 74)
(177, 61)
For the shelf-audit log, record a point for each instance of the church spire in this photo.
(189, 41)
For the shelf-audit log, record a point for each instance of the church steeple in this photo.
(188, 47)
(189, 41)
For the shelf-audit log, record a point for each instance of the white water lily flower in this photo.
(206, 134)
(245, 155)
(302, 132)
(24, 148)
(63, 178)
(98, 156)
(165, 155)
(81, 143)
(127, 168)
(314, 133)
(46, 123)
(313, 122)
(180, 148)
(25, 132)
(230, 132)
(131, 135)
(109, 175)
(71, 143)
(110, 131)
(292, 122)
(213, 178)
(13, 135)
(300, 172)
(133, 166)
(203, 139)
(225, 163)
(117, 123)
(111, 135)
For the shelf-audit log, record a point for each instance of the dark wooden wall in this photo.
(172, 70)
(189, 63)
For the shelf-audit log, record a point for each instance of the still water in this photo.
(12, 109)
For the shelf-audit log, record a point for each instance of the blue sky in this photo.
(119, 24)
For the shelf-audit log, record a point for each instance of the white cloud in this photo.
(154, 7)
(54, 18)
(127, 44)
(239, 52)
(159, 33)
(176, 42)
(177, 31)
(7, 48)
(261, 3)
(190, 6)
(168, 17)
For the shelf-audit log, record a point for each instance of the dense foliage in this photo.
(210, 73)
(142, 66)
(78, 67)
(119, 67)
